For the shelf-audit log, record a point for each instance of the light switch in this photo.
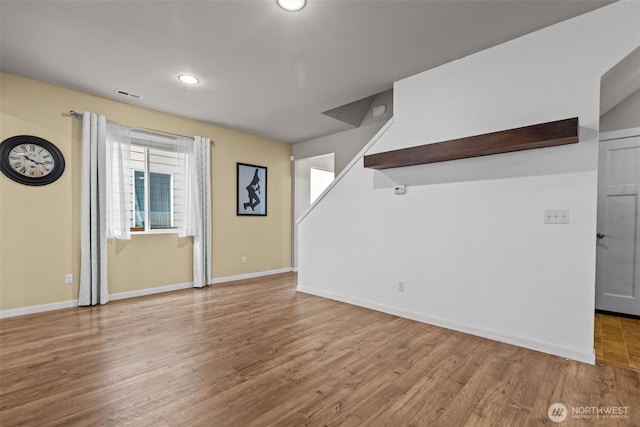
(557, 216)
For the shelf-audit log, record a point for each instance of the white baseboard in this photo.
(132, 294)
(149, 291)
(38, 308)
(532, 344)
(250, 275)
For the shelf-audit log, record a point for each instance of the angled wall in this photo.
(625, 115)
(468, 238)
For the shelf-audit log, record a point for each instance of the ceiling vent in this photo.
(129, 94)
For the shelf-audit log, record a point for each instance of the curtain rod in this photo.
(79, 116)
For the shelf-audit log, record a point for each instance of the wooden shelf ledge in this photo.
(542, 135)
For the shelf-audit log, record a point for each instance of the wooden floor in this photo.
(257, 353)
(617, 340)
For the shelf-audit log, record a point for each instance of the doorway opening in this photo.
(319, 180)
(312, 175)
(617, 296)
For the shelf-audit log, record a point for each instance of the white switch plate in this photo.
(243, 260)
(557, 216)
(68, 279)
(399, 189)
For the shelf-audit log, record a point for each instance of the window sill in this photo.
(156, 231)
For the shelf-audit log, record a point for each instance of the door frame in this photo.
(619, 134)
(603, 137)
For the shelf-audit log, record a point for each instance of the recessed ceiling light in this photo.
(291, 5)
(188, 79)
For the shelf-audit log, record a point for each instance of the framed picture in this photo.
(251, 190)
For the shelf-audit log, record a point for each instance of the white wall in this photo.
(468, 237)
(301, 191)
(383, 98)
(345, 145)
(625, 115)
(302, 174)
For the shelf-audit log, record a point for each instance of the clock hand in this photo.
(34, 161)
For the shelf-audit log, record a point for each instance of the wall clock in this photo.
(31, 160)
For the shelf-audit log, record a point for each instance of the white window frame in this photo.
(147, 196)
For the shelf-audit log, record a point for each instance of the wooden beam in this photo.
(542, 135)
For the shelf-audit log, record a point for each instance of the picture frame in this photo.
(251, 190)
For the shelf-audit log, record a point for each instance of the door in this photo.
(618, 246)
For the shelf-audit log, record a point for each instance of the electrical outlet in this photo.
(68, 279)
(401, 286)
(243, 259)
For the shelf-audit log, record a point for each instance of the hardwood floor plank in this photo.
(258, 353)
(617, 340)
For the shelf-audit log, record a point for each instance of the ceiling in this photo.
(262, 70)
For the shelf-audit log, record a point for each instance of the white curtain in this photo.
(197, 159)
(104, 201)
(119, 185)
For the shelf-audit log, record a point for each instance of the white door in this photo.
(618, 245)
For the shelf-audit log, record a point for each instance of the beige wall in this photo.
(40, 226)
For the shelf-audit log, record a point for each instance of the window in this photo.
(160, 192)
(157, 191)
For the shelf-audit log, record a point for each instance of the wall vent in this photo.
(129, 94)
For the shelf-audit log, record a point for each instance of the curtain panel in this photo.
(197, 163)
(104, 201)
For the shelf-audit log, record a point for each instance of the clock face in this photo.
(31, 160)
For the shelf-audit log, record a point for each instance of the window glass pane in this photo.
(138, 199)
(137, 188)
(160, 200)
(164, 172)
